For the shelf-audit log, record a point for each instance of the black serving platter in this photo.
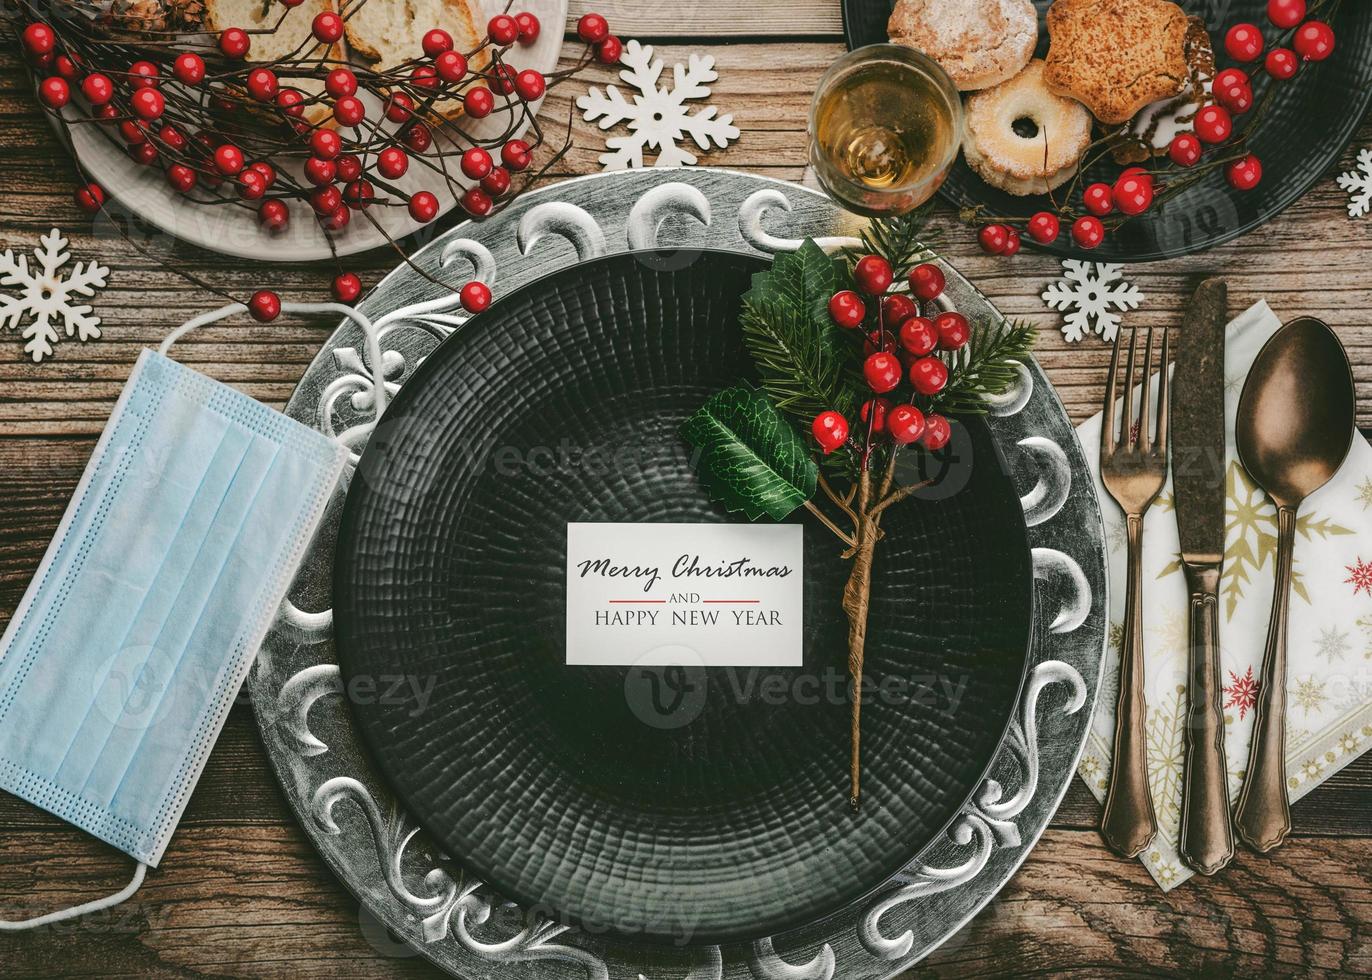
(560, 786)
(1310, 121)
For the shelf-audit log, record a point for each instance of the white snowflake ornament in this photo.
(1358, 184)
(45, 295)
(1091, 291)
(658, 118)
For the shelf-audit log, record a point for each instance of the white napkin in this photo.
(1329, 685)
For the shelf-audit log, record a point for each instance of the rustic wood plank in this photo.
(258, 902)
(1304, 908)
(715, 18)
(228, 902)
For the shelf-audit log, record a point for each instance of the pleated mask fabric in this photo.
(123, 660)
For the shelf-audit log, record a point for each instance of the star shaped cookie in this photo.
(1116, 56)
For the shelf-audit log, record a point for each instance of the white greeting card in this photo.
(711, 595)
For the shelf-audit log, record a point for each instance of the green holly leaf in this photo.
(803, 362)
(748, 456)
(798, 283)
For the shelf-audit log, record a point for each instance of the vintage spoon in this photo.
(1294, 428)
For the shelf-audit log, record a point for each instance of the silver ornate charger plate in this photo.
(398, 872)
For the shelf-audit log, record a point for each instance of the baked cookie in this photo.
(1151, 132)
(979, 43)
(1022, 137)
(1116, 56)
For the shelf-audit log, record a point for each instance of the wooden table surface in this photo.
(241, 893)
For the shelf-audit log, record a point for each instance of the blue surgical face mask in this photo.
(123, 659)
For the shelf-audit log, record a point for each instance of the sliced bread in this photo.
(388, 33)
(291, 39)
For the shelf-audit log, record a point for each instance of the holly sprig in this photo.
(802, 362)
(987, 365)
(753, 460)
(807, 365)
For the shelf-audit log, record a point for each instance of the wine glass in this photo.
(885, 127)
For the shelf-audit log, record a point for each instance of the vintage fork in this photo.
(1133, 469)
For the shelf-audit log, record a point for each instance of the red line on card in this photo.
(636, 602)
(732, 601)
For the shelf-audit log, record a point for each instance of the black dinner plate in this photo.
(1311, 120)
(591, 793)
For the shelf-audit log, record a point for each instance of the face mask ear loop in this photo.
(363, 322)
(78, 910)
(194, 323)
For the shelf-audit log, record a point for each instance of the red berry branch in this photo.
(844, 348)
(914, 367)
(308, 136)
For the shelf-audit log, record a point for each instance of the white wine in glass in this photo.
(885, 127)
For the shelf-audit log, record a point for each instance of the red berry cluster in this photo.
(233, 133)
(1313, 40)
(1133, 191)
(901, 349)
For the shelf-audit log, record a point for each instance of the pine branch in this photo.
(802, 360)
(802, 373)
(899, 240)
(988, 367)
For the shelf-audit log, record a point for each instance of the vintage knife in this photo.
(1198, 475)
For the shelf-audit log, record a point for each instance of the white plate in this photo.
(234, 230)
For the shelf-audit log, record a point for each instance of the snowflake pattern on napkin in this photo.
(1329, 707)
